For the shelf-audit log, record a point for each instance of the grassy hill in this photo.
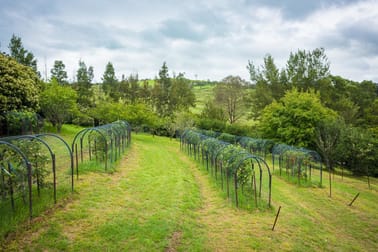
(203, 93)
(158, 199)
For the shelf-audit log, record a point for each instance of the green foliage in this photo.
(213, 112)
(171, 94)
(328, 137)
(211, 124)
(136, 114)
(357, 150)
(20, 54)
(84, 78)
(58, 104)
(36, 154)
(293, 119)
(20, 86)
(181, 94)
(20, 122)
(59, 73)
(109, 81)
(183, 120)
(305, 68)
(227, 138)
(229, 96)
(304, 71)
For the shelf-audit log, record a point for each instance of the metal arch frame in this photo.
(82, 134)
(29, 172)
(52, 154)
(128, 129)
(109, 132)
(69, 150)
(190, 137)
(258, 160)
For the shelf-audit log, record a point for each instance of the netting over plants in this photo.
(34, 171)
(299, 165)
(244, 177)
(102, 144)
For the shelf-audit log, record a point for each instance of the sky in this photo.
(206, 40)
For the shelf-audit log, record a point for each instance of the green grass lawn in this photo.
(159, 199)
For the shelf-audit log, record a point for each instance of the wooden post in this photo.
(275, 220)
(236, 189)
(355, 197)
(368, 177)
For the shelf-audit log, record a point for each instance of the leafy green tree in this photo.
(161, 93)
(213, 112)
(20, 86)
(363, 95)
(328, 136)
(171, 94)
(58, 103)
(59, 73)
(20, 54)
(136, 114)
(357, 149)
(294, 118)
(182, 96)
(110, 82)
(229, 96)
(270, 83)
(371, 114)
(305, 68)
(83, 86)
(145, 93)
(134, 90)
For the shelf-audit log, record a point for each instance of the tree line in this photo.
(301, 104)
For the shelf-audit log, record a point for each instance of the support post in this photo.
(355, 197)
(275, 220)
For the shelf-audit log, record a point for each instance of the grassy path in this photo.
(158, 200)
(148, 204)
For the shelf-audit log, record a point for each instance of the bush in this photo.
(211, 124)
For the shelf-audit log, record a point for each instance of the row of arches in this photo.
(246, 178)
(104, 143)
(24, 162)
(300, 165)
(42, 167)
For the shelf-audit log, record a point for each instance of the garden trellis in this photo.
(254, 145)
(298, 163)
(246, 178)
(24, 171)
(103, 143)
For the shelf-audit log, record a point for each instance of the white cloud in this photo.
(208, 39)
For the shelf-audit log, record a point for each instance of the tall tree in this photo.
(327, 139)
(20, 86)
(110, 82)
(161, 93)
(58, 103)
(182, 96)
(134, 91)
(213, 112)
(293, 119)
(305, 68)
(59, 73)
(171, 94)
(270, 84)
(84, 78)
(21, 55)
(229, 96)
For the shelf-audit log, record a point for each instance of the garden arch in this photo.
(28, 170)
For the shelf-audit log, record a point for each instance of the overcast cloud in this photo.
(205, 39)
